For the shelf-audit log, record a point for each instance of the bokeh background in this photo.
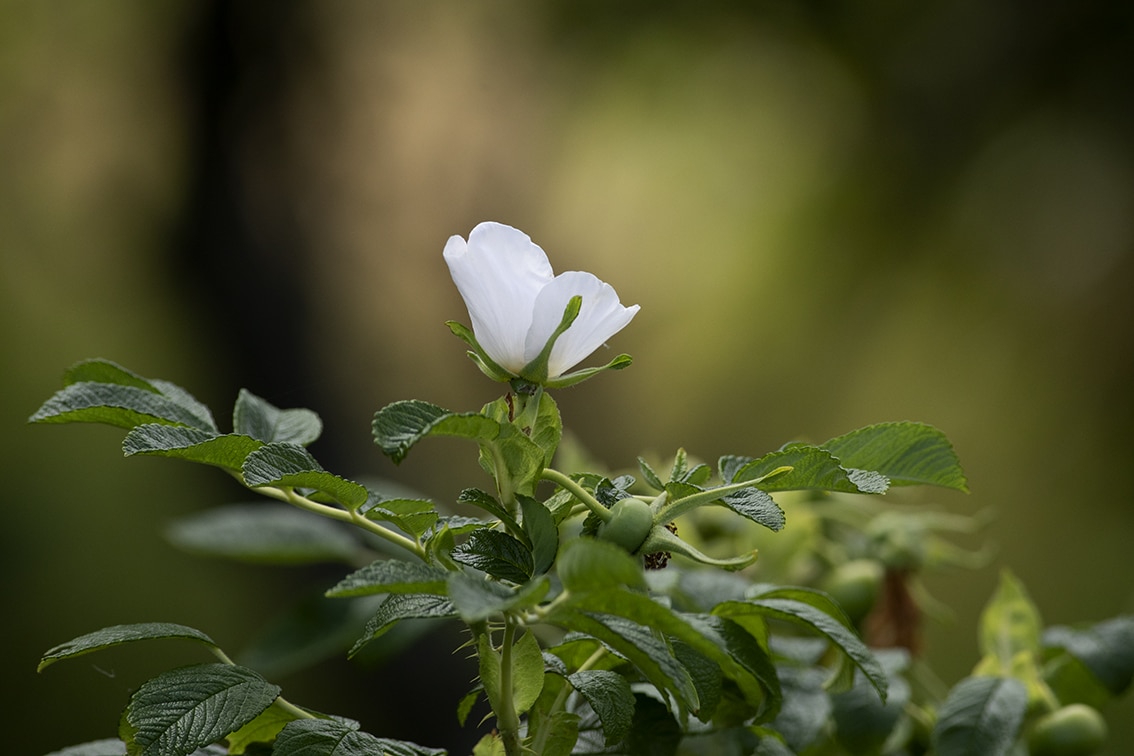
(832, 214)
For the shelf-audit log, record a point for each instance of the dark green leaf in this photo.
(191, 444)
(403, 606)
(392, 576)
(105, 371)
(398, 426)
(832, 624)
(184, 709)
(812, 469)
(1107, 649)
(265, 422)
(654, 731)
(119, 634)
(729, 465)
(488, 503)
(326, 737)
(288, 465)
(587, 564)
(542, 532)
(121, 406)
(644, 648)
(706, 675)
(806, 706)
(477, 599)
(496, 553)
(863, 722)
(756, 506)
(265, 533)
(611, 697)
(980, 715)
(906, 453)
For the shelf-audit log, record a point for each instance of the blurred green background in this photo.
(832, 214)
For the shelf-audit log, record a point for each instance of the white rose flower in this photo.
(519, 308)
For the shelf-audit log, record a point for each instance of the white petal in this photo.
(499, 273)
(600, 317)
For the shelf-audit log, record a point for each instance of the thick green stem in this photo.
(578, 492)
(507, 719)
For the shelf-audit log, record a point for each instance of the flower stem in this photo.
(578, 492)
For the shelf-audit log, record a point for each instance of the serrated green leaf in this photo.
(527, 672)
(105, 371)
(120, 634)
(649, 475)
(398, 426)
(643, 647)
(265, 533)
(812, 468)
(106, 747)
(806, 706)
(288, 465)
(392, 576)
(706, 675)
(191, 444)
(120, 406)
(980, 715)
(1107, 650)
(1010, 623)
(757, 506)
(477, 599)
(497, 553)
(729, 465)
(488, 669)
(587, 564)
(829, 621)
(263, 421)
(863, 723)
(906, 453)
(415, 516)
(611, 697)
(542, 533)
(654, 730)
(329, 737)
(263, 729)
(184, 709)
(403, 606)
(488, 503)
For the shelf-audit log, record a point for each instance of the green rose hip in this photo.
(629, 524)
(1074, 730)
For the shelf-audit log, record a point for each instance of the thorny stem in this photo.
(507, 718)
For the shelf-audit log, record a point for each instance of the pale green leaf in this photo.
(812, 468)
(527, 672)
(1010, 623)
(906, 453)
(587, 564)
(107, 747)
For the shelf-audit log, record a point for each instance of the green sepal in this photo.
(185, 709)
(477, 354)
(291, 466)
(117, 635)
(536, 370)
(572, 379)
